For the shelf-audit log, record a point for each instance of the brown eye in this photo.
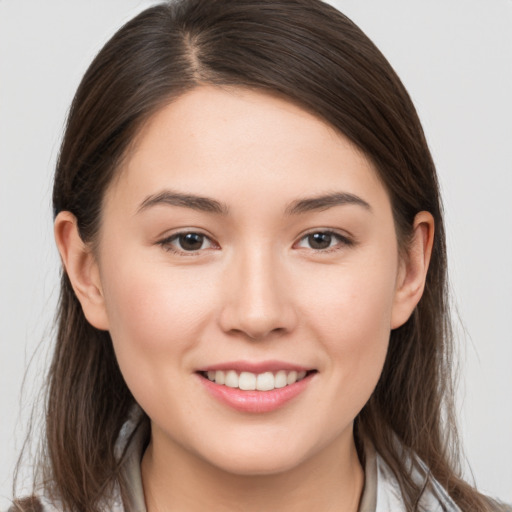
(190, 241)
(187, 242)
(320, 240)
(324, 241)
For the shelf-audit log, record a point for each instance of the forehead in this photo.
(242, 145)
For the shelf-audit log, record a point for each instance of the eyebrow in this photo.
(324, 202)
(209, 205)
(172, 198)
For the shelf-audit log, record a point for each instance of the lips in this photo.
(256, 367)
(255, 387)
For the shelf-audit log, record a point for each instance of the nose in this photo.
(257, 301)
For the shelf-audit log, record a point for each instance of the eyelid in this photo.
(344, 240)
(166, 242)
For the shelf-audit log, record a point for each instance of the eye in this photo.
(187, 242)
(323, 241)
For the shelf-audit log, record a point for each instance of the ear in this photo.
(413, 269)
(82, 269)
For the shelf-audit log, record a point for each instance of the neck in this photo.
(331, 480)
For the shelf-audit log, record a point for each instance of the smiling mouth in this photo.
(248, 381)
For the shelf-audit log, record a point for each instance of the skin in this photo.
(256, 289)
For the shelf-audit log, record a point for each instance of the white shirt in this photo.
(381, 490)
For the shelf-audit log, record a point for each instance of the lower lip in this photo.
(256, 401)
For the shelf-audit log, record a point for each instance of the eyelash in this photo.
(342, 241)
(166, 243)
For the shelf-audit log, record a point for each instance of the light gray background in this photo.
(455, 58)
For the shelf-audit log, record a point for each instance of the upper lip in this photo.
(255, 367)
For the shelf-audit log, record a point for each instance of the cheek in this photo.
(351, 302)
(151, 303)
(351, 315)
(155, 317)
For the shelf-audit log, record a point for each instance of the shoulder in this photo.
(501, 507)
(30, 504)
(434, 498)
(35, 503)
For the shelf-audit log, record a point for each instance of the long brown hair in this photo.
(311, 54)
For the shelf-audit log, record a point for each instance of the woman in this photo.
(253, 311)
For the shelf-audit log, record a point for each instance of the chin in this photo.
(253, 459)
(258, 465)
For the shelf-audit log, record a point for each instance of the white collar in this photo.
(381, 491)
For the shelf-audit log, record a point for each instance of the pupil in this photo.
(191, 241)
(320, 240)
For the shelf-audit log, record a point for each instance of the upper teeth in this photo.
(251, 381)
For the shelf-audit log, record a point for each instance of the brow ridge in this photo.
(324, 202)
(173, 198)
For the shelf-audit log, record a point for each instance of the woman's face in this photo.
(246, 238)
